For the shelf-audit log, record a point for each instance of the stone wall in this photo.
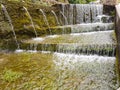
(22, 22)
(109, 2)
(117, 30)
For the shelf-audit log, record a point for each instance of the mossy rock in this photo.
(21, 20)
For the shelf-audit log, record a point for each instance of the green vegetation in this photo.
(26, 71)
(21, 21)
(113, 35)
(9, 75)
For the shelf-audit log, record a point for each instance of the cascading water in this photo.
(56, 17)
(90, 72)
(46, 21)
(86, 49)
(65, 21)
(31, 21)
(82, 13)
(71, 17)
(65, 18)
(84, 59)
(11, 25)
(90, 27)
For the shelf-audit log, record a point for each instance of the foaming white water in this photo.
(19, 51)
(95, 24)
(92, 72)
(88, 27)
(95, 32)
(32, 51)
(52, 36)
(43, 38)
(48, 52)
(29, 51)
(38, 39)
(67, 59)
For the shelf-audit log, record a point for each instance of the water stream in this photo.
(46, 21)
(65, 18)
(31, 21)
(10, 22)
(83, 59)
(81, 13)
(91, 72)
(56, 17)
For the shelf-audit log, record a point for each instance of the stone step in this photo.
(100, 43)
(97, 37)
(87, 49)
(80, 28)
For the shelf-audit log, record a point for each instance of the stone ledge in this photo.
(109, 2)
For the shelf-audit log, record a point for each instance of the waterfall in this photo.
(97, 42)
(86, 49)
(81, 57)
(89, 27)
(82, 13)
(71, 17)
(31, 20)
(10, 22)
(85, 11)
(92, 72)
(56, 17)
(65, 18)
(45, 20)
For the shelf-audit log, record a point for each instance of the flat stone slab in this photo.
(99, 38)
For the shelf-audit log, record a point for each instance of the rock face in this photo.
(21, 21)
(118, 89)
(109, 2)
(117, 31)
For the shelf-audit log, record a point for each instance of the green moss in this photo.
(21, 21)
(10, 76)
(26, 70)
(8, 44)
(114, 37)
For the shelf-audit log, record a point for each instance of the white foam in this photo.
(85, 58)
(52, 36)
(93, 68)
(94, 32)
(47, 52)
(19, 51)
(32, 51)
(68, 60)
(38, 39)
